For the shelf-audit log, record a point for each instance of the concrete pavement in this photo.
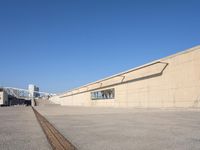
(102, 128)
(19, 130)
(127, 129)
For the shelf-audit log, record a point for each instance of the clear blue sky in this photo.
(62, 44)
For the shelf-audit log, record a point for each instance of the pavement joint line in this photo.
(55, 138)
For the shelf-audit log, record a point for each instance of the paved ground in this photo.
(102, 128)
(126, 129)
(19, 130)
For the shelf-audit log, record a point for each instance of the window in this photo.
(104, 94)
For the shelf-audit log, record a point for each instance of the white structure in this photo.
(3, 97)
(33, 90)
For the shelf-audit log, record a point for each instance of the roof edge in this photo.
(135, 68)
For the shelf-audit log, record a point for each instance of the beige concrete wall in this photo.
(1, 98)
(173, 81)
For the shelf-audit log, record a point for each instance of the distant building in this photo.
(3, 97)
(33, 90)
(173, 81)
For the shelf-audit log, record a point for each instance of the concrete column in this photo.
(32, 102)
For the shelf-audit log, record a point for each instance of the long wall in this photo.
(173, 81)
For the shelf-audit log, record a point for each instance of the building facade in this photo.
(3, 97)
(33, 90)
(173, 81)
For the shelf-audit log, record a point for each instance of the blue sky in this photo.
(62, 44)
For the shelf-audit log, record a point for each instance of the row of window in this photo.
(104, 94)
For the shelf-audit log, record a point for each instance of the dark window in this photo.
(104, 94)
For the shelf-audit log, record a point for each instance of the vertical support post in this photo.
(32, 102)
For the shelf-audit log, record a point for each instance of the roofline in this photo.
(182, 52)
(135, 68)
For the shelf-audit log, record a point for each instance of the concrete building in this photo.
(173, 81)
(3, 97)
(33, 90)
